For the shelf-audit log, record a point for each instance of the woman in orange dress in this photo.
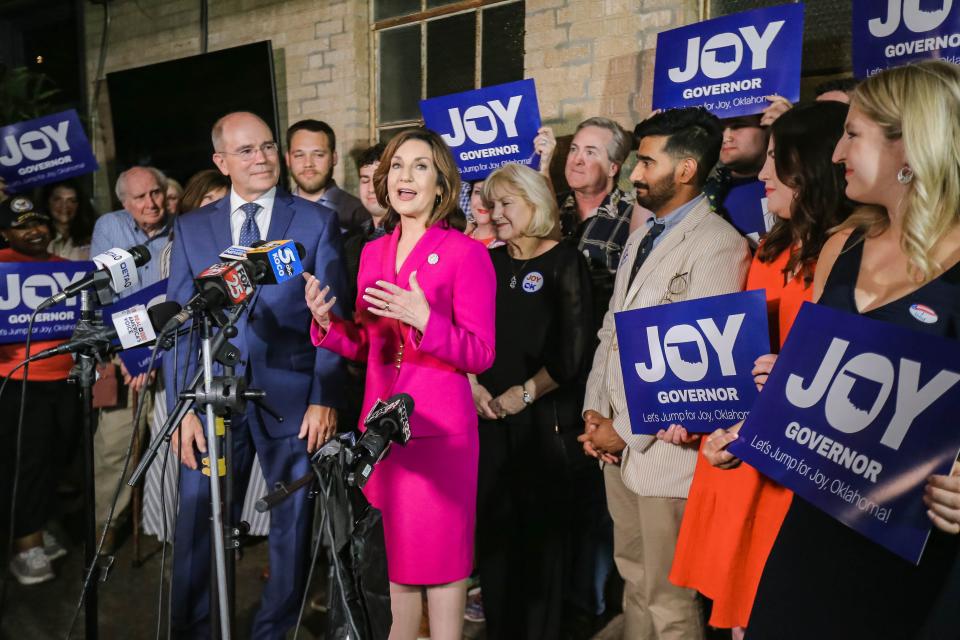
(733, 514)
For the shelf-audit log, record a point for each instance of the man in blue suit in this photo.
(301, 382)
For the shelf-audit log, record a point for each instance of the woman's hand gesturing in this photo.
(408, 306)
(317, 300)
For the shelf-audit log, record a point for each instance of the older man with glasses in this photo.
(301, 382)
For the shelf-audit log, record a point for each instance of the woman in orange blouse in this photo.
(733, 514)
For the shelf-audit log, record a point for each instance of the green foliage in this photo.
(24, 95)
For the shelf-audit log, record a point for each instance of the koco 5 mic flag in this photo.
(488, 127)
(890, 33)
(729, 65)
(855, 416)
(43, 150)
(690, 363)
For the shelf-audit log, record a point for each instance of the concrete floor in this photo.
(129, 599)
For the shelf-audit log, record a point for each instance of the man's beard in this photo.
(658, 193)
(315, 184)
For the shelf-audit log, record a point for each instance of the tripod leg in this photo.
(137, 497)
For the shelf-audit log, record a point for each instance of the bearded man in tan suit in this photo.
(683, 252)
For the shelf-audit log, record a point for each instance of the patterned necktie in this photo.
(249, 232)
(646, 246)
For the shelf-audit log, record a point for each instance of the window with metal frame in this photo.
(428, 48)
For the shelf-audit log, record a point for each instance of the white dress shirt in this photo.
(237, 216)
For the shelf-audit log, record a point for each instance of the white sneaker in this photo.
(31, 566)
(53, 549)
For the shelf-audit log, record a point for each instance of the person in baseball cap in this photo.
(19, 212)
(51, 413)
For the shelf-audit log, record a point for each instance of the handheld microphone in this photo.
(134, 327)
(115, 267)
(387, 422)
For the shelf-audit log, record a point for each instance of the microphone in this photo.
(115, 267)
(232, 282)
(387, 422)
(277, 260)
(274, 261)
(135, 327)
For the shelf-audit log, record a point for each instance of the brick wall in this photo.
(588, 57)
(320, 56)
(595, 57)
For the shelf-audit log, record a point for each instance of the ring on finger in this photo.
(386, 306)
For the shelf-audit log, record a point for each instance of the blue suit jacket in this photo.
(274, 334)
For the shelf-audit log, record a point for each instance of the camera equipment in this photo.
(350, 527)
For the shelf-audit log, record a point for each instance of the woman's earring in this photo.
(905, 175)
(436, 201)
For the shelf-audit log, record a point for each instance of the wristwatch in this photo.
(527, 398)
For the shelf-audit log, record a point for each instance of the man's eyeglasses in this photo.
(676, 287)
(247, 154)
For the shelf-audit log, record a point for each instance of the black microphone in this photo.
(387, 422)
(157, 316)
(113, 269)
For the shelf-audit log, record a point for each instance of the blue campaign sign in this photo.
(890, 33)
(856, 414)
(747, 206)
(24, 285)
(488, 127)
(44, 150)
(729, 65)
(689, 362)
(137, 358)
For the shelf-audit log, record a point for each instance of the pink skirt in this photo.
(427, 493)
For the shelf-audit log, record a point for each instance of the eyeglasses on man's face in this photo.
(249, 153)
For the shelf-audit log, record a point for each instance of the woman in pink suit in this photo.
(425, 319)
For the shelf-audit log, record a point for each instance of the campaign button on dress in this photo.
(433, 258)
(923, 313)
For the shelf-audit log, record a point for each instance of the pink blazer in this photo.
(457, 277)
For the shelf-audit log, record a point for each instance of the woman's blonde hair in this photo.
(535, 191)
(919, 104)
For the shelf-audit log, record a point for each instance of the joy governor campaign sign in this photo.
(729, 64)
(24, 285)
(488, 127)
(890, 33)
(856, 414)
(689, 362)
(44, 150)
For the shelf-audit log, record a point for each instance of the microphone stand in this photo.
(84, 374)
(219, 396)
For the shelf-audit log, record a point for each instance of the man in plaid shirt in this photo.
(595, 213)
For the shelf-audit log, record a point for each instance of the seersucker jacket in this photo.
(704, 256)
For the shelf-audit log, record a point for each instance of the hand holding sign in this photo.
(676, 434)
(942, 497)
(762, 368)
(715, 448)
